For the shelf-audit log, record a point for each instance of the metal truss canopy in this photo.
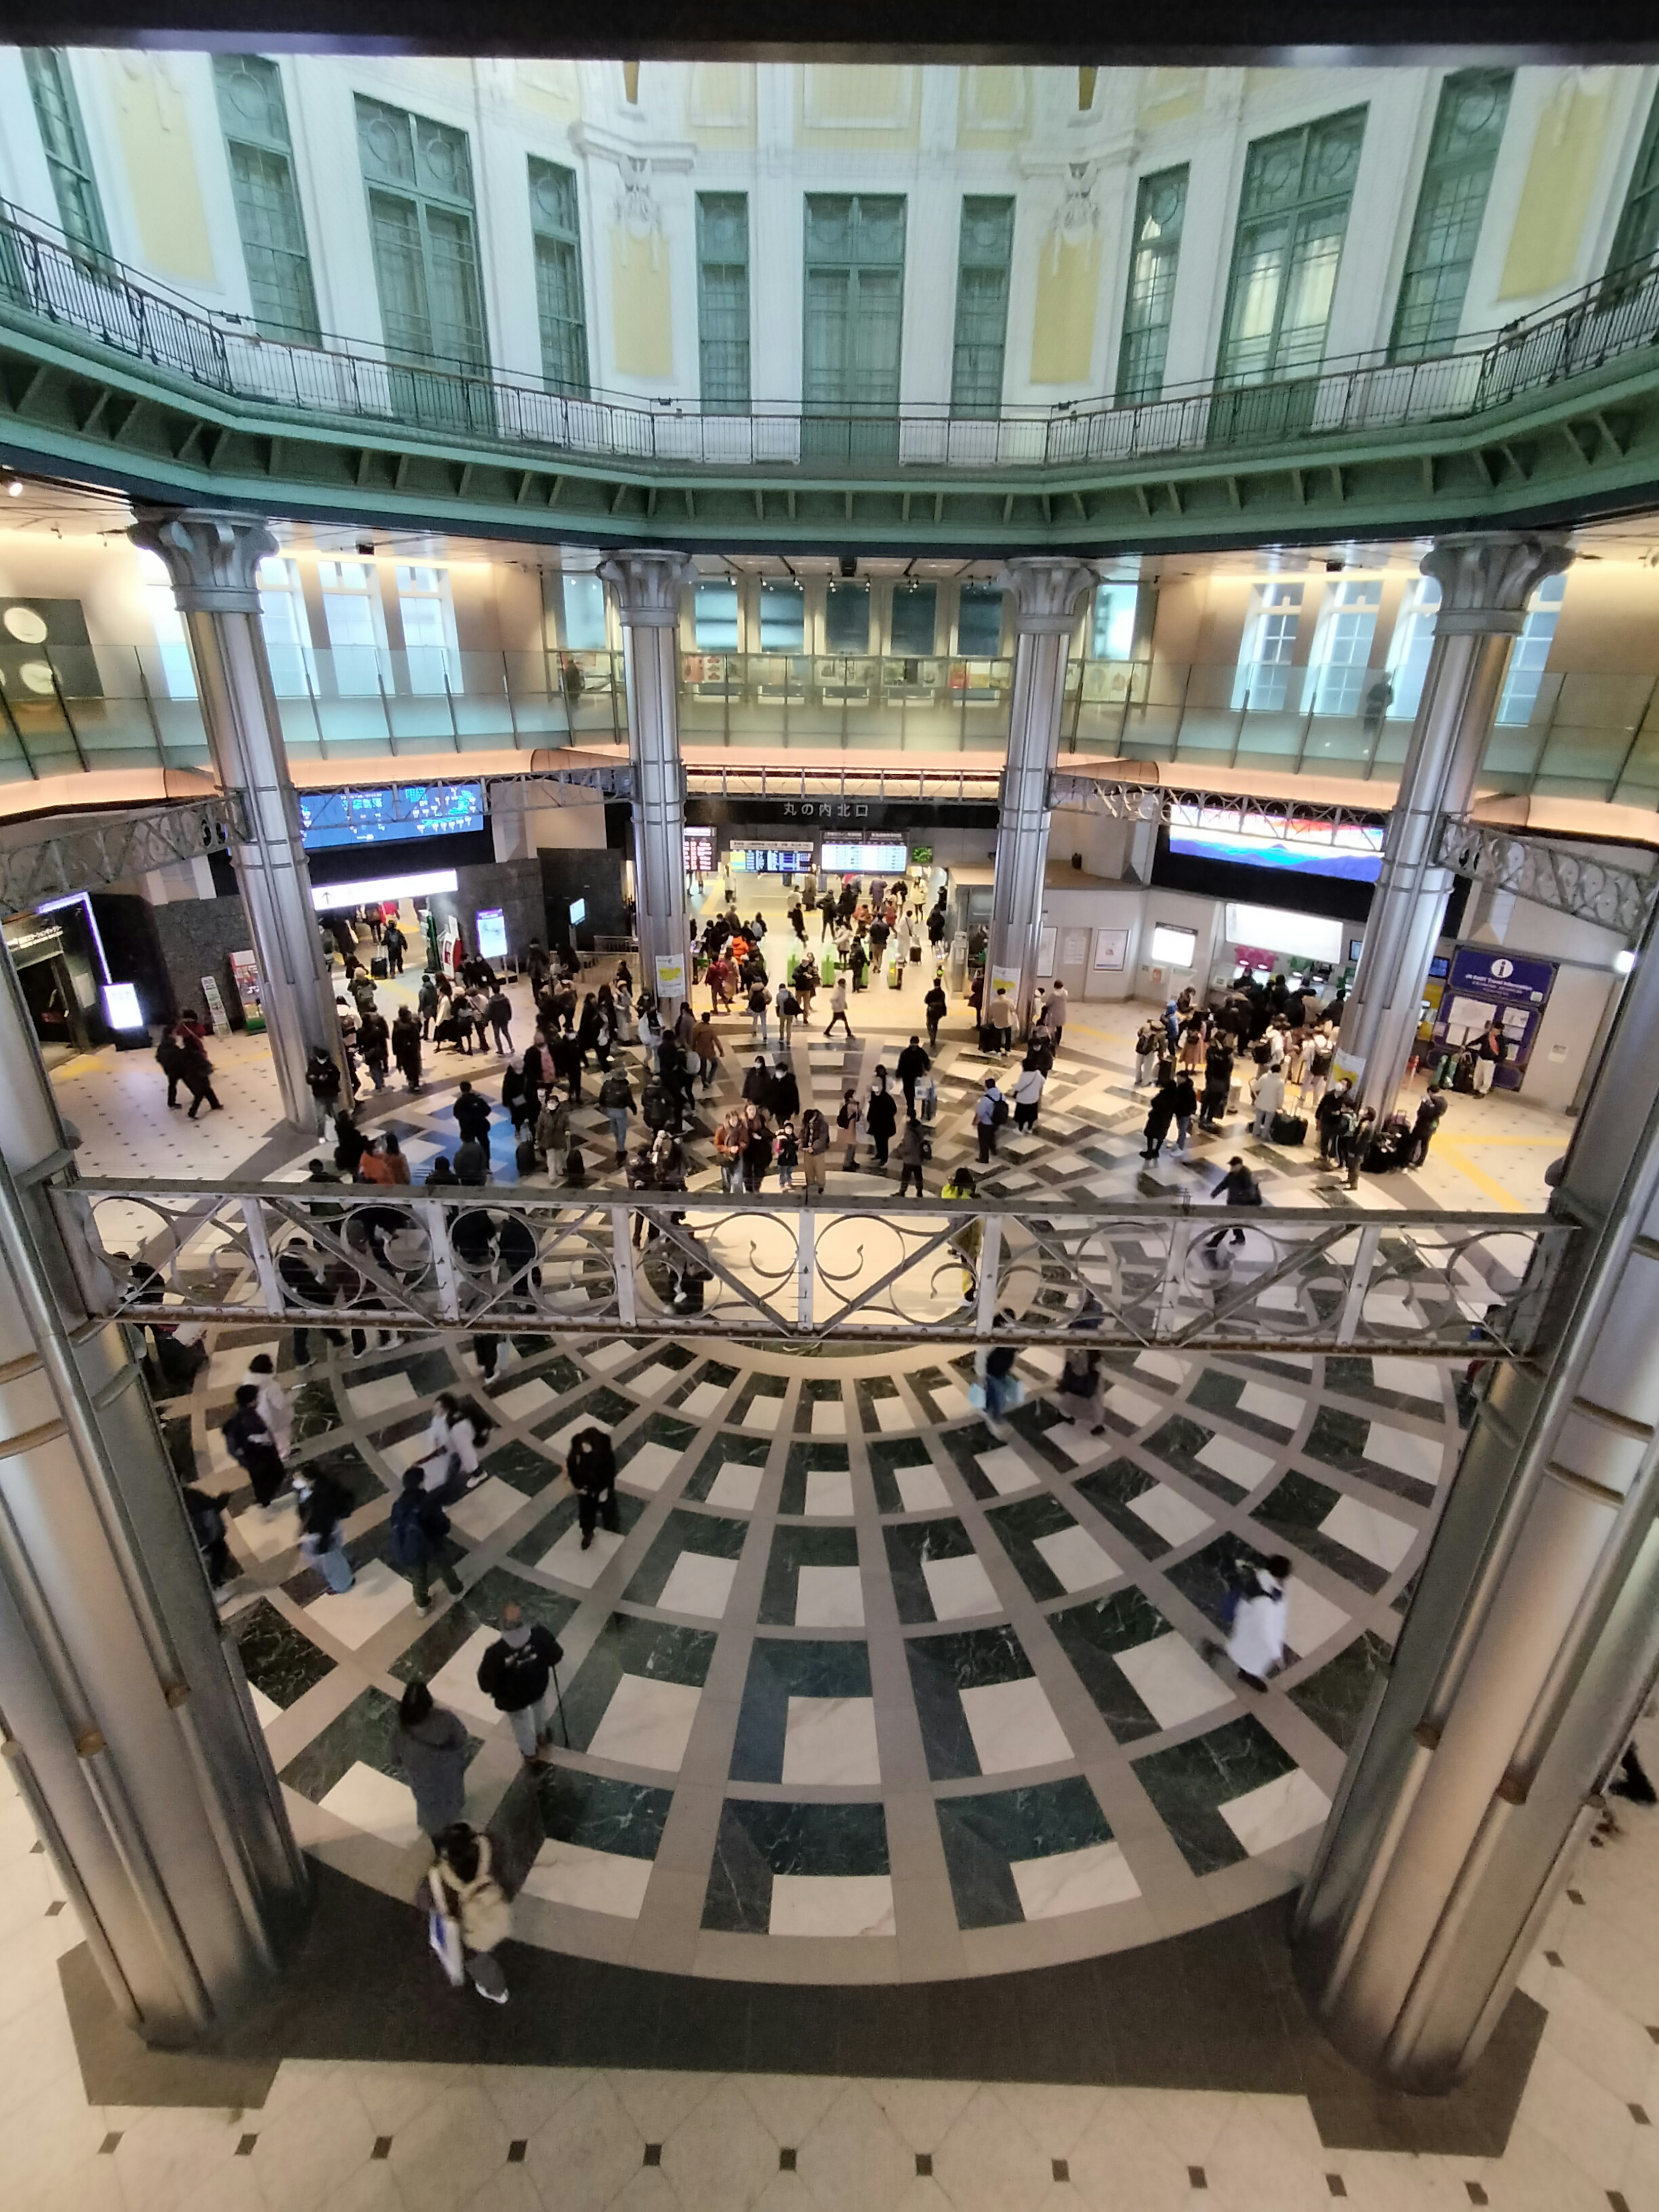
(1574, 884)
(521, 1262)
(108, 849)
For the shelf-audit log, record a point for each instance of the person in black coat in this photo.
(253, 1446)
(1160, 1115)
(782, 1101)
(591, 1469)
(881, 1118)
(473, 1115)
(349, 1144)
(516, 1672)
(912, 1064)
(1218, 1083)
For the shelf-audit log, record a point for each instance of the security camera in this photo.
(849, 564)
(366, 546)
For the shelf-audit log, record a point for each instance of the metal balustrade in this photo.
(46, 277)
(875, 1272)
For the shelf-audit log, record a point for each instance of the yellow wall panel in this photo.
(848, 109)
(993, 109)
(720, 109)
(1168, 95)
(551, 88)
(1555, 199)
(1063, 333)
(163, 190)
(642, 313)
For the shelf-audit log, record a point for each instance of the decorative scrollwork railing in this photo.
(1577, 883)
(553, 1262)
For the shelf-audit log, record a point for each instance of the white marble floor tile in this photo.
(894, 1416)
(829, 1494)
(829, 1417)
(959, 1586)
(650, 1467)
(952, 1402)
(265, 1710)
(764, 1413)
(1176, 1518)
(646, 1723)
(829, 1597)
(699, 1403)
(1277, 1811)
(699, 1584)
(1076, 1441)
(1278, 1406)
(1013, 1725)
(1238, 1462)
(487, 1508)
(404, 1451)
(920, 1488)
(1133, 1406)
(456, 1682)
(525, 1398)
(831, 1905)
(830, 1741)
(380, 1395)
(568, 1561)
(605, 1358)
(1172, 1680)
(1375, 1536)
(593, 1881)
(226, 1369)
(1412, 1378)
(351, 1616)
(1310, 1619)
(374, 1803)
(1164, 1364)
(1073, 1881)
(268, 1535)
(1006, 1470)
(653, 1381)
(1076, 1558)
(1424, 1457)
(736, 1487)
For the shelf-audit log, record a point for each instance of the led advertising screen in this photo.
(769, 860)
(867, 860)
(399, 811)
(1296, 845)
(699, 852)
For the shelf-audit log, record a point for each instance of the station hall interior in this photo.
(606, 664)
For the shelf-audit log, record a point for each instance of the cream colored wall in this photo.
(163, 189)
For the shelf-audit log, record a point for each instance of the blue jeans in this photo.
(617, 1117)
(335, 1568)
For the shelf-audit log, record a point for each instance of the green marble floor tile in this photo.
(794, 1548)
(708, 1533)
(758, 1840)
(1019, 1526)
(1338, 1439)
(278, 1660)
(982, 1834)
(521, 1466)
(730, 1445)
(1334, 1699)
(362, 1732)
(941, 1668)
(1109, 1489)
(600, 1814)
(910, 1545)
(781, 1667)
(1178, 1442)
(1092, 1635)
(1293, 1509)
(809, 1458)
(1190, 1781)
(628, 1645)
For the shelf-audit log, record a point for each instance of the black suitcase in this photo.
(379, 966)
(1288, 1129)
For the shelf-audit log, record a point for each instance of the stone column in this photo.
(1532, 1642)
(124, 1718)
(1485, 581)
(648, 586)
(1047, 594)
(212, 560)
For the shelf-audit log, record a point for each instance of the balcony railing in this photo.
(47, 279)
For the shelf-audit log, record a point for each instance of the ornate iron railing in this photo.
(524, 1262)
(1577, 883)
(44, 276)
(108, 849)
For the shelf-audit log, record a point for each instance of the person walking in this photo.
(912, 1152)
(990, 1112)
(1057, 1005)
(912, 1064)
(498, 1012)
(616, 1101)
(374, 1043)
(838, 1009)
(999, 1022)
(1028, 1095)
(170, 1057)
(197, 1072)
(935, 1005)
(253, 1446)
(429, 1744)
(707, 1048)
(731, 1135)
(880, 1118)
(406, 1046)
(1186, 1105)
(515, 1674)
(759, 1000)
(470, 1913)
(1238, 1187)
(325, 1506)
(1159, 1115)
(1149, 1050)
(274, 1406)
(1080, 1393)
(814, 1149)
(1256, 1633)
(420, 1528)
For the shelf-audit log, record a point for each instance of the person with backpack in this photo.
(590, 1470)
(990, 1112)
(419, 1529)
(207, 1523)
(1159, 1115)
(426, 1005)
(515, 1673)
(1429, 1112)
(455, 1431)
(759, 1000)
(250, 1444)
(471, 1914)
(935, 1005)
(170, 1057)
(1257, 1626)
(498, 1012)
(324, 1504)
(1149, 1050)
(617, 1103)
(1238, 1187)
(429, 1744)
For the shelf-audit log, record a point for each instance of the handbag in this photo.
(443, 1936)
(977, 1396)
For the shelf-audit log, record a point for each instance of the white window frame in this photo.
(435, 665)
(1408, 663)
(1529, 655)
(1340, 659)
(1267, 649)
(356, 661)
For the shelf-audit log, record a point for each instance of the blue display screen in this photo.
(389, 816)
(1350, 849)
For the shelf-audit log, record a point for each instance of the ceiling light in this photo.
(15, 487)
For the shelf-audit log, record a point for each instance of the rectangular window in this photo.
(1637, 233)
(1468, 127)
(847, 618)
(714, 618)
(59, 114)
(177, 672)
(428, 621)
(1530, 651)
(354, 625)
(723, 302)
(282, 619)
(984, 257)
(1265, 653)
(1409, 649)
(418, 175)
(1292, 216)
(979, 623)
(1160, 210)
(1112, 636)
(914, 621)
(253, 117)
(1336, 680)
(584, 612)
(854, 304)
(556, 225)
(782, 618)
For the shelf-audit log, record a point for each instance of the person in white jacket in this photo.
(1269, 1096)
(1255, 1644)
(274, 1406)
(451, 1436)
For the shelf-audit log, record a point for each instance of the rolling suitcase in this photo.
(1288, 1129)
(380, 967)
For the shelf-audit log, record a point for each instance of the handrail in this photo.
(45, 276)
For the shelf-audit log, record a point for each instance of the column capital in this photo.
(1047, 591)
(647, 584)
(212, 555)
(1486, 577)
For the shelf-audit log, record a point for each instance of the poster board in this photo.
(671, 979)
(245, 974)
(218, 1020)
(1111, 951)
(1486, 981)
(1047, 938)
(1073, 948)
(1002, 979)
